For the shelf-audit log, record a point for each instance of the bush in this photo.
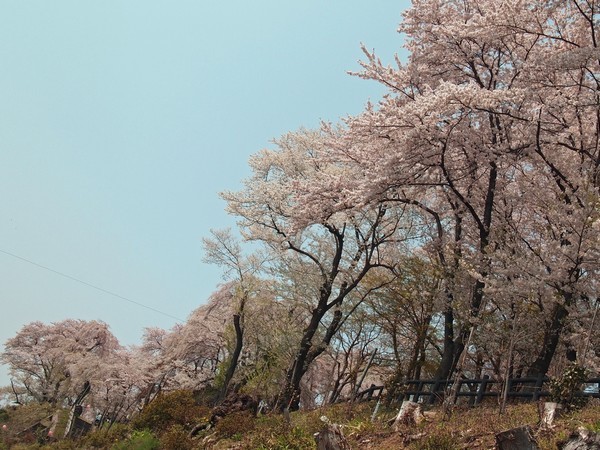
(139, 440)
(283, 439)
(172, 408)
(105, 438)
(176, 438)
(564, 390)
(237, 423)
(207, 396)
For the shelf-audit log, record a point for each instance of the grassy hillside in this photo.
(167, 427)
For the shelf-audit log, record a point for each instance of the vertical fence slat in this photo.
(482, 389)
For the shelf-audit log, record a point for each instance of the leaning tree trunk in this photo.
(235, 356)
(307, 353)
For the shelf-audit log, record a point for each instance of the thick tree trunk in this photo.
(307, 353)
(445, 367)
(290, 393)
(552, 334)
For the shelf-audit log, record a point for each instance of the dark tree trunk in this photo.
(552, 334)
(290, 394)
(448, 352)
(235, 356)
(307, 353)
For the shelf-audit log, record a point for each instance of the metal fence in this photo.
(433, 391)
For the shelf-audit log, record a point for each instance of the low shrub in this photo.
(105, 438)
(238, 423)
(296, 439)
(565, 388)
(168, 409)
(176, 438)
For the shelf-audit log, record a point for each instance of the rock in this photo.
(583, 439)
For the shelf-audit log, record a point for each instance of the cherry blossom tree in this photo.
(188, 356)
(224, 250)
(52, 362)
(337, 252)
(490, 131)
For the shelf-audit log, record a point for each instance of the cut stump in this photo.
(549, 414)
(410, 414)
(331, 438)
(517, 439)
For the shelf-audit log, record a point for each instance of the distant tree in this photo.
(189, 355)
(52, 362)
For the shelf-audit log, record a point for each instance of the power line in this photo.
(106, 291)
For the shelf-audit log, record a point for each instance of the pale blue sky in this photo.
(120, 121)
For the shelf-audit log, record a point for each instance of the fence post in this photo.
(419, 392)
(434, 389)
(482, 389)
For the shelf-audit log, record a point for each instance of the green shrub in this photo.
(65, 444)
(168, 409)
(105, 437)
(206, 396)
(139, 440)
(564, 389)
(238, 423)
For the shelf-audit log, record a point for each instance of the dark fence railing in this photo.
(433, 391)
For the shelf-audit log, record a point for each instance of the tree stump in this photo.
(551, 411)
(331, 438)
(583, 440)
(517, 439)
(410, 414)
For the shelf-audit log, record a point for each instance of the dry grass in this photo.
(466, 428)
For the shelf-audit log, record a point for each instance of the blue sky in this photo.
(120, 121)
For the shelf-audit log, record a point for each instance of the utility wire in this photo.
(91, 285)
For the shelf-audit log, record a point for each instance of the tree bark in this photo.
(552, 334)
(235, 356)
